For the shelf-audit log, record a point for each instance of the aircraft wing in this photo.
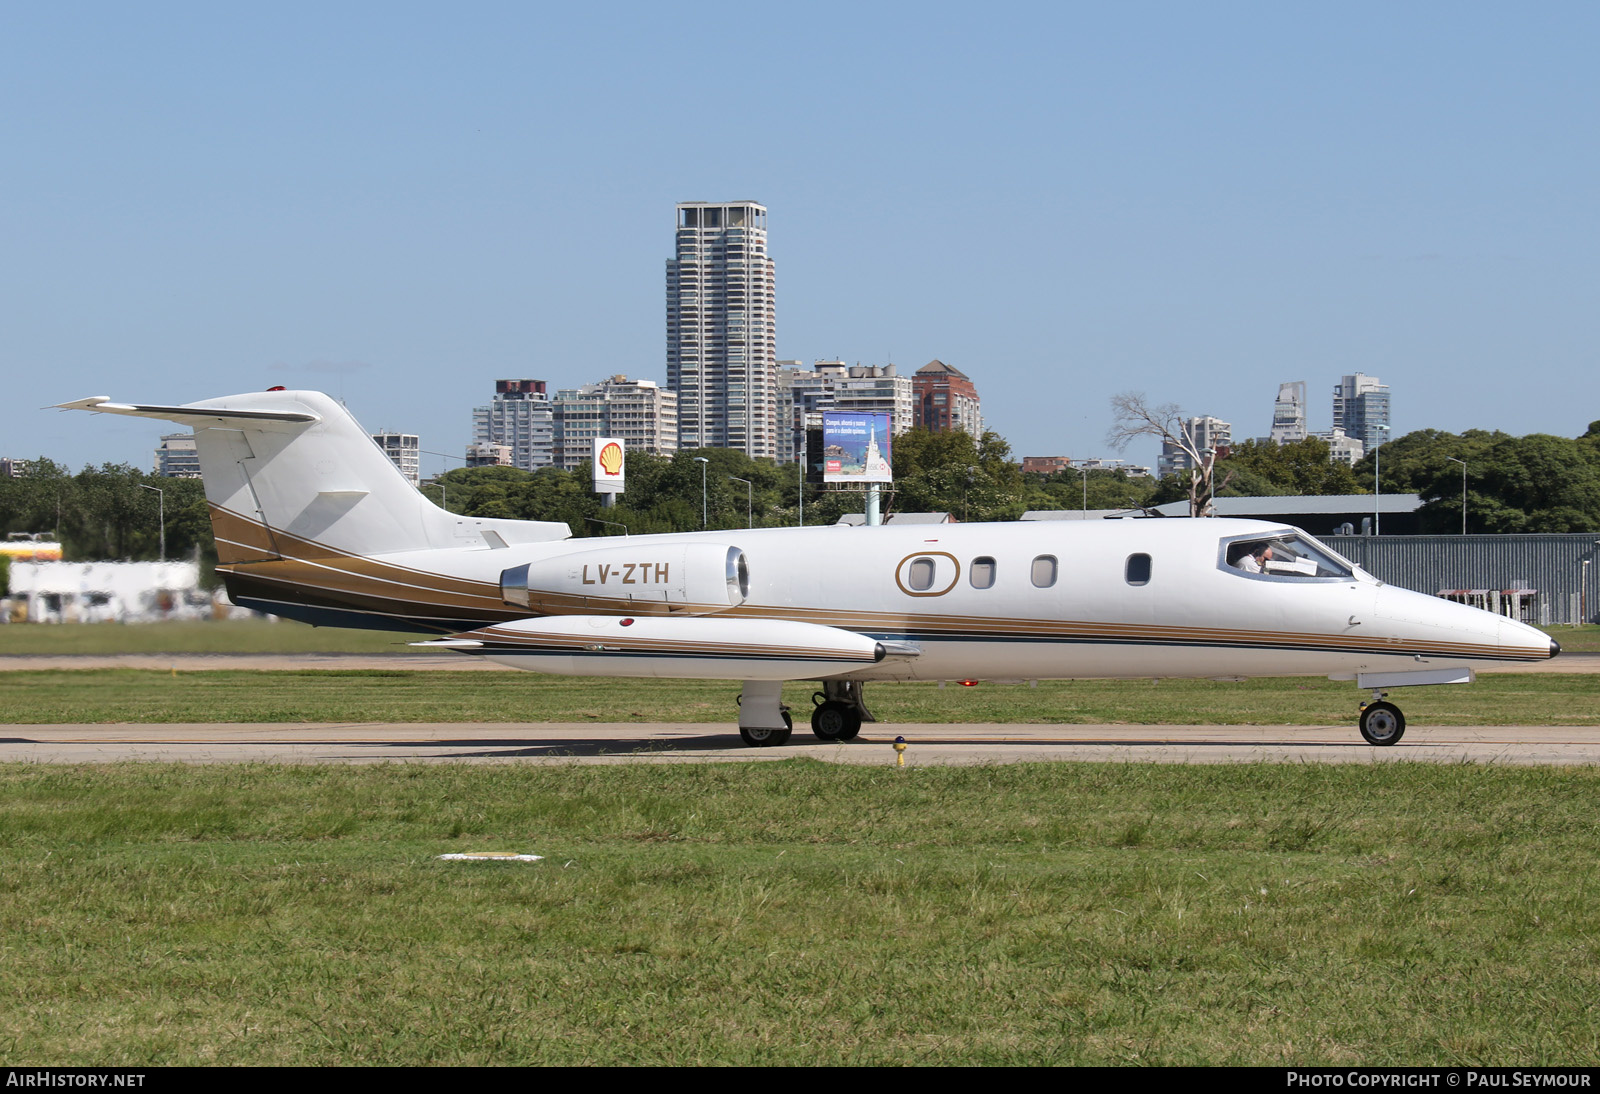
(692, 648)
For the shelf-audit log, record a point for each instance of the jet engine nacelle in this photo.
(692, 578)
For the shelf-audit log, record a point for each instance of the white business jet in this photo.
(313, 522)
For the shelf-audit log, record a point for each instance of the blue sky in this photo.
(401, 203)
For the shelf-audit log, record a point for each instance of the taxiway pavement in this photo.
(664, 742)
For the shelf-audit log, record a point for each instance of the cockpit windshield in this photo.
(1287, 554)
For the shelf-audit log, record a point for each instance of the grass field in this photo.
(1584, 639)
(789, 912)
(135, 695)
(261, 636)
(800, 913)
(210, 636)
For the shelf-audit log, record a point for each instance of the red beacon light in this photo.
(968, 683)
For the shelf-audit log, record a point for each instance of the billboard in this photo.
(609, 465)
(855, 447)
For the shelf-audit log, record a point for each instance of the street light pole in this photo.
(1377, 483)
(749, 500)
(1463, 464)
(702, 461)
(161, 507)
(1084, 471)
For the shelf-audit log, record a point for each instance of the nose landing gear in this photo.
(764, 722)
(1381, 723)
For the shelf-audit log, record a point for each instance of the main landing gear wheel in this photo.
(1382, 723)
(833, 721)
(761, 737)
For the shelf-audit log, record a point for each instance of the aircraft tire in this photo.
(768, 738)
(835, 721)
(1382, 724)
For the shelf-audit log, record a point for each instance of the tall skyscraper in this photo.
(1361, 409)
(519, 416)
(1289, 413)
(722, 342)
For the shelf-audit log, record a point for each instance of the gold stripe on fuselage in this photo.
(346, 580)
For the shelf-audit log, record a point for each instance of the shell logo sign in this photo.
(609, 461)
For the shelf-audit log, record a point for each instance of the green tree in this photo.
(1411, 463)
(106, 512)
(952, 472)
(1537, 483)
(1299, 467)
(1107, 489)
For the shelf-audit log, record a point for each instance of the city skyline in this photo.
(1090, 201)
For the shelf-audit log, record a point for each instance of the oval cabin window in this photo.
(927, 573)
(982, 573)
(1044, 571)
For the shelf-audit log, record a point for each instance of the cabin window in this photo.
(982, 573)
(1044, 571)
(1138, 571)
(927, 573)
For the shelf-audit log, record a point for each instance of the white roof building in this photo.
(641, 413)
(108, 592)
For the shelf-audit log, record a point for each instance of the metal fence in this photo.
(1562, 570)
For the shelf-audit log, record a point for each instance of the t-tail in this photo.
(296, 489)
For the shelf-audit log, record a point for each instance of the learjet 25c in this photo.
(313, 522)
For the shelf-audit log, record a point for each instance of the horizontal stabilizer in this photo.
(198, 416)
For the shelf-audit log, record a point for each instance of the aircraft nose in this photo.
(1555, 647)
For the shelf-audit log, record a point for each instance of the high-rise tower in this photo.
(519, 416)
(1289, 413)
(1361, 409)
(722, 345)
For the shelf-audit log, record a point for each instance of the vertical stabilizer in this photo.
(291, 474)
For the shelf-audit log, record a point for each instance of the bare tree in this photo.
(1132, 416)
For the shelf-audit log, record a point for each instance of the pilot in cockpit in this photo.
(1255, 558)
